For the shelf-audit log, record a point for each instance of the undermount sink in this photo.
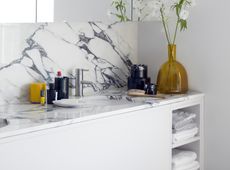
(92, 101)
(3, 122)
(77, 108)
(101, 100)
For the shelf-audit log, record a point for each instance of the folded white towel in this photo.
(185, 127)
(184, 135)
(182, 157)
(182, 124)
(181, 118)
(192, 166)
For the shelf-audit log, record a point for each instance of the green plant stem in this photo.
(123, 18)
(169, 33)
(176, 30)
(164, 25)
(178, 10)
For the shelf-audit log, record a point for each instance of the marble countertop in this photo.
(26, 118)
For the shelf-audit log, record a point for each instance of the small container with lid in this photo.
(151, 89)
(51, 93)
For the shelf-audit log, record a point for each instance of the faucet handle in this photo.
(80, 70)
(79, 78)
(85, 69)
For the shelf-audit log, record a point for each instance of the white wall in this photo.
(204, 50)
(83, 10)
(79, 10)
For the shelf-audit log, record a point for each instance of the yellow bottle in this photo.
(35, 92)
(43, 99)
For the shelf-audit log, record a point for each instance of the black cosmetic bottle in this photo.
(62, 86)
(51, 94)
(58, 84)
(65, 88)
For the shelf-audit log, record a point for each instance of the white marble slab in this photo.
(35, 52)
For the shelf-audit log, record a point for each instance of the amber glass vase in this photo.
(172, 76)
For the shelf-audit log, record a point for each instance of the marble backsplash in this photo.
(35, 52)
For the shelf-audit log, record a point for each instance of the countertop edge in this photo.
(9, 134)
(51, 125)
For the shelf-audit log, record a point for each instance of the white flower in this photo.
(138, 4)
(153, 8)
(156, 4)
(184, 14)
(139, 14)
(155, 14)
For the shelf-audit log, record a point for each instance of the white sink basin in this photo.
(91, 101)
(76, 107)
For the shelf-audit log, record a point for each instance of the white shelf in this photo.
(185, 142)
(195, 105)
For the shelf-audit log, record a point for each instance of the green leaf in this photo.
(119, 16)
(187, 3)
(177, 7)
(181, 2)
(183, 25)
(120, 6)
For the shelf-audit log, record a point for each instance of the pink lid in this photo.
(59, 73)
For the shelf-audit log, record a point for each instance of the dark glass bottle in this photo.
(62, 86)
(58, 85)
(65, 88)
(51, 93)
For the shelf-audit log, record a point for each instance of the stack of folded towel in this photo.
(184, 160)
(184, 126)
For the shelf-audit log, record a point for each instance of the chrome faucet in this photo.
(80, 82)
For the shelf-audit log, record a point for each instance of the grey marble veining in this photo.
(99, 47)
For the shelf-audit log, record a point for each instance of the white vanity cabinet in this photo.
(138, 140)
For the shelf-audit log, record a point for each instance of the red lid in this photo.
(59, 73)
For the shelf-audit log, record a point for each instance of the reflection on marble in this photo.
(106, 50)
(25, 118)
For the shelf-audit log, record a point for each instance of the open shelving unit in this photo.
(194, 105)
(185, 142)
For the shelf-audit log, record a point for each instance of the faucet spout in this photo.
(89, 83)
(78, 86)
(80, 82)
